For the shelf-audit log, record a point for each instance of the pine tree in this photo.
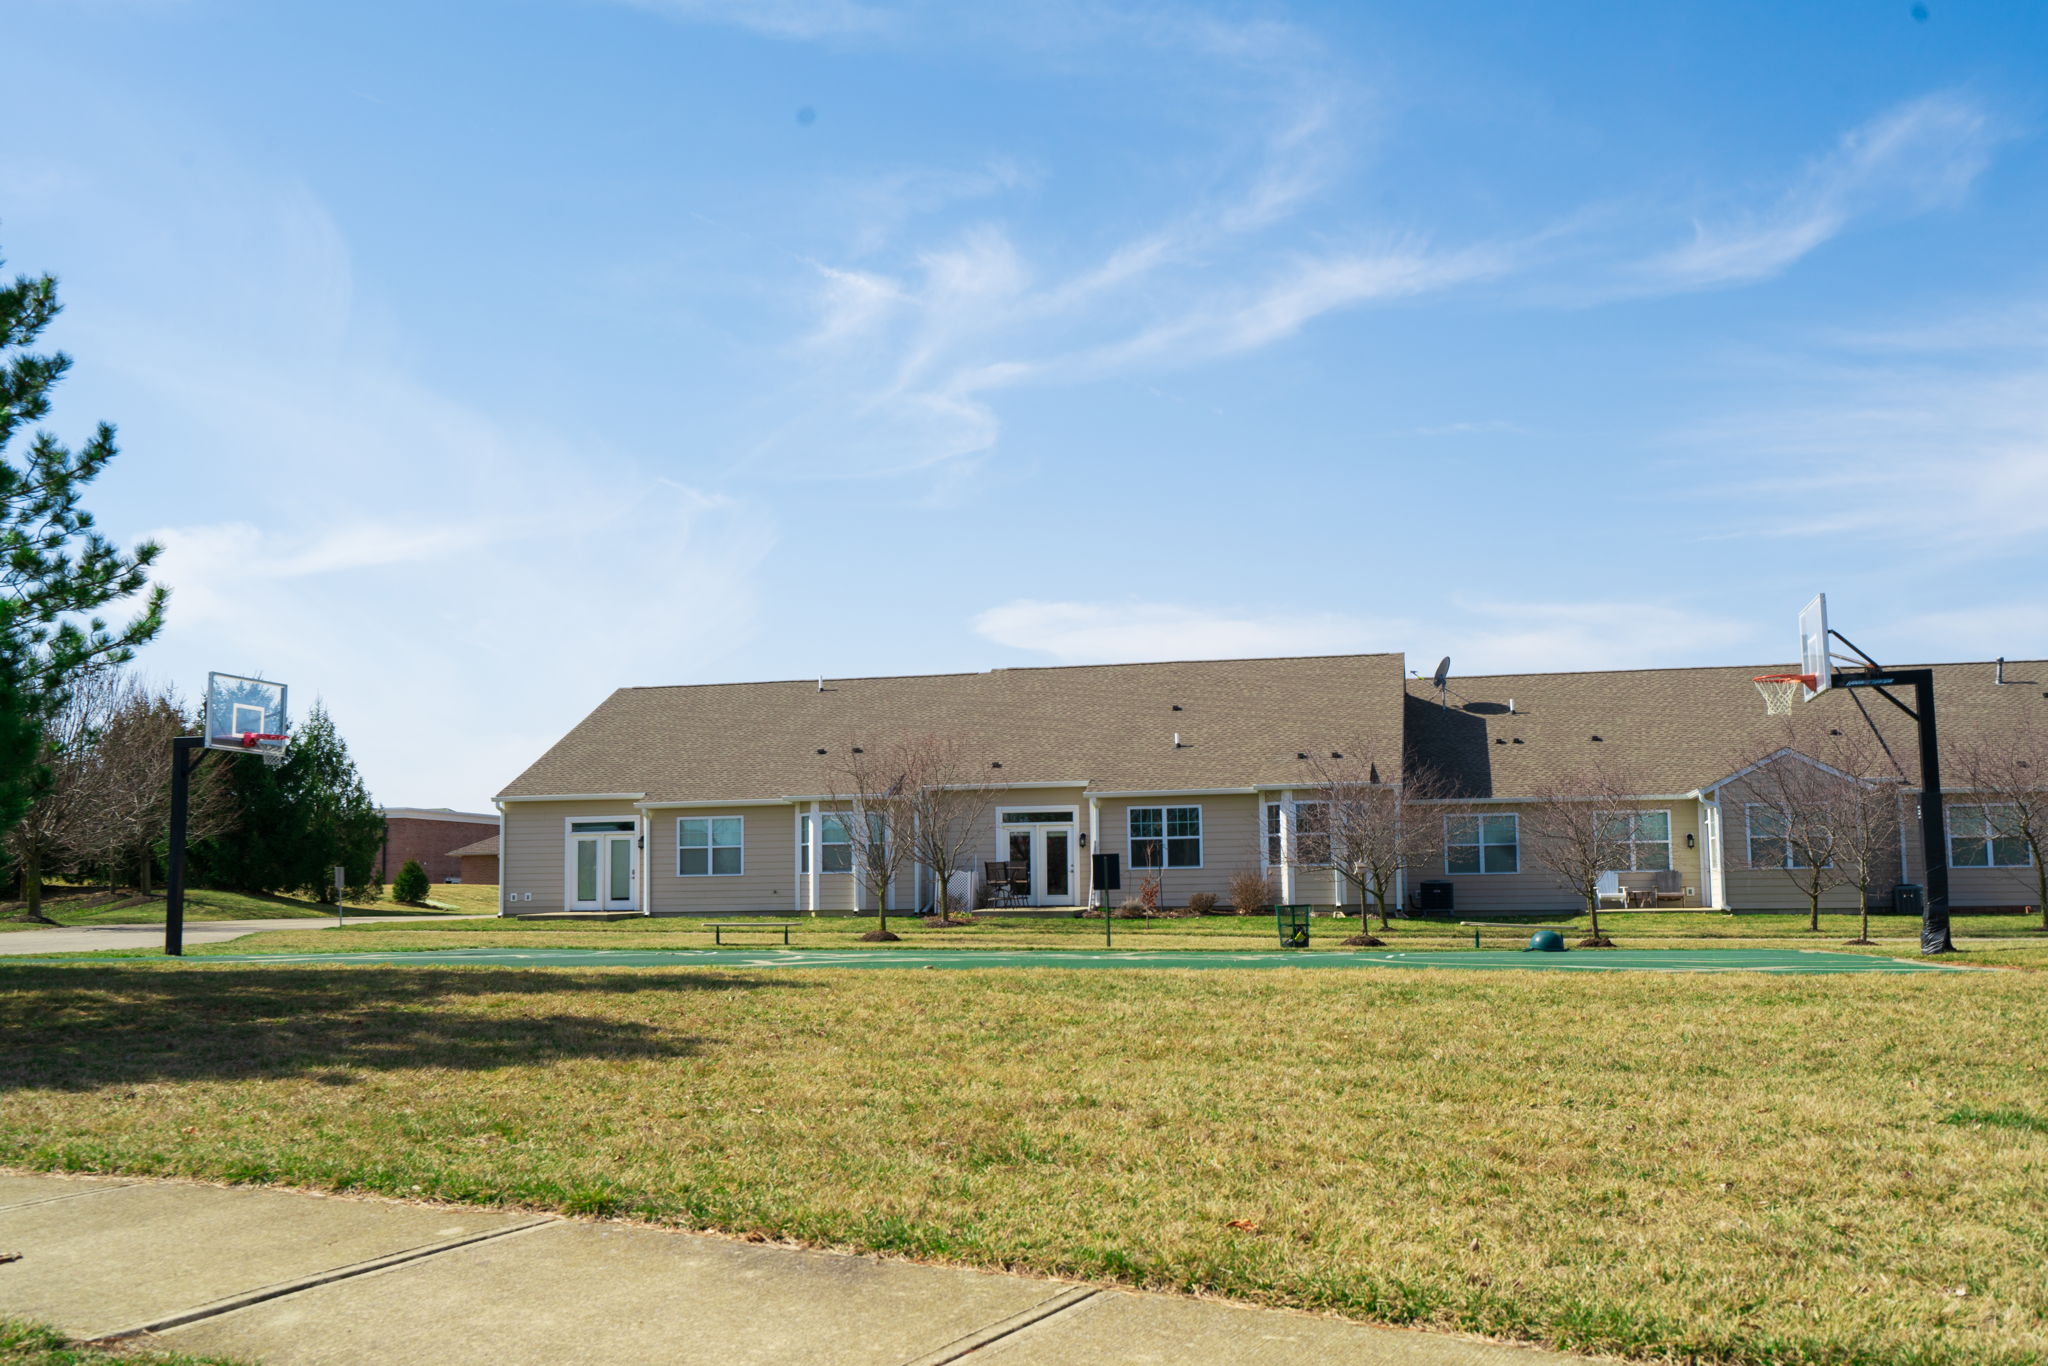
(411, 885)
(336, 822)
(54, 567)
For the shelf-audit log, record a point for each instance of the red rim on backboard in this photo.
(1780, 690)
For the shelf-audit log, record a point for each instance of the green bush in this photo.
(411, 885)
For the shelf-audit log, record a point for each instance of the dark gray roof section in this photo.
(1241, 722)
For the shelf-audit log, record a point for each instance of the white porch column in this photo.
(1287, 847)
(814, 854)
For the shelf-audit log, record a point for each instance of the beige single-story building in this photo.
(719, 799)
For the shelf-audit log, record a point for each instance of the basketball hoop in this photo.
(1780, 690)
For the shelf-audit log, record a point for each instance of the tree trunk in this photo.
(1593, 909)
(1813, 910)
(1864, 933)
(142, 875)
(2041, 888)
(32, 885)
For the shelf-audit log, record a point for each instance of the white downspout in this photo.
(505, 892)
(645, 870)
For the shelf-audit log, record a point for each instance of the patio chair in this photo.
(1001, 879)
(1669, 885)
(1607, 889)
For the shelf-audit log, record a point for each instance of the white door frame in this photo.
(635, 853)
(1070, 827)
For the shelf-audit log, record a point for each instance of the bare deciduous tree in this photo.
(1569, 829)
(937, 814)
(1363, 823)
(125, 784)
(878, 810)
(2006, 773)
(49, 831)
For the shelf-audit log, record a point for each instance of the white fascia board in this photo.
(732, 801)
(1010, 787)
(1790, 753)
(579, 797)
(1691, 796)
(1181, 792)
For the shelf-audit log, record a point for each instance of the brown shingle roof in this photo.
(1678, 729)
(1242, 721)
(484, 846)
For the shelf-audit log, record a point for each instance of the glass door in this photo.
(1056, 883)
(604, 859)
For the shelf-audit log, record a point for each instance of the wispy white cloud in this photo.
(1514, 637)
(1922, 155)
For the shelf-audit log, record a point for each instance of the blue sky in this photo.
(473, 359)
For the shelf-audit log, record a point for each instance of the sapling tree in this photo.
(878, 809)
(1364, 823)
(56, 570)
(1802, 822)
(1569, 829)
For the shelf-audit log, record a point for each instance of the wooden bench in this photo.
(719, 927)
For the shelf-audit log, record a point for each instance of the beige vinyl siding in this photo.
(533, 853)
(1967, 887)
(767, 884)
(1535, 888)
(1232, 836)
(1770, 889)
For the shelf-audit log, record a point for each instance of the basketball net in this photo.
(1781, 690)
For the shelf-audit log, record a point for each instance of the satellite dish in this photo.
(1443, 672)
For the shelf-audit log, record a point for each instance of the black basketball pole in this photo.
(1934, 926)
(186, 752)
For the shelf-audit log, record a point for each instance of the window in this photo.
(1770, 838)
(1482, 844)
(835, 851)
(1645, 834)
(1175, 831)
(1311, 832)
(1986, 837)
(599, 827)
(710, 846)
(1065, 817)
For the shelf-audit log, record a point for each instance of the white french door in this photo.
(603, 865)
(1050, 851)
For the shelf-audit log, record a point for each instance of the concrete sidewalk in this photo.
(89, 938)
(291, 1279)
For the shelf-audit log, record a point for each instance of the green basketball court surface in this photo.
(1592, 960)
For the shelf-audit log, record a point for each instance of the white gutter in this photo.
(1692, 796)
(737, 801)
(1180, 792)
(577, 797)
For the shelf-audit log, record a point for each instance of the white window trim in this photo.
(805, 845)
(1289, 832)
(636, 831)
(1669, 841)
(1482, 870)
(710, 862)
(1201, 839)
(1948, 815)
(1749, 841)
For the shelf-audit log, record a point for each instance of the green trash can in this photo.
(1292, 922)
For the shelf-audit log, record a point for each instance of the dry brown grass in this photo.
(1715, 1168)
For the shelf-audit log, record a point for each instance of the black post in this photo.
(1934, 933)
(186, 752)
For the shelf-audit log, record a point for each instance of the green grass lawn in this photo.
(1709, 1169)
(2013, 940)
(123, 907)
(32, 1344)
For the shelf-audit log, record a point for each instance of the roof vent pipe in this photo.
(821, 682)
(2000, 680)
(1511, 706)
(1176, 739)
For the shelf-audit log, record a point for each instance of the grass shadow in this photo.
(81, 1029)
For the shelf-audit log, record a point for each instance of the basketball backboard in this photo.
(245, 715)
(1813, 644)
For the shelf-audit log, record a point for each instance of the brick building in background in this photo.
(431, 835)
(480, 862)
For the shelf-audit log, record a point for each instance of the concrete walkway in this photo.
(89, 938)
(285, 1278)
